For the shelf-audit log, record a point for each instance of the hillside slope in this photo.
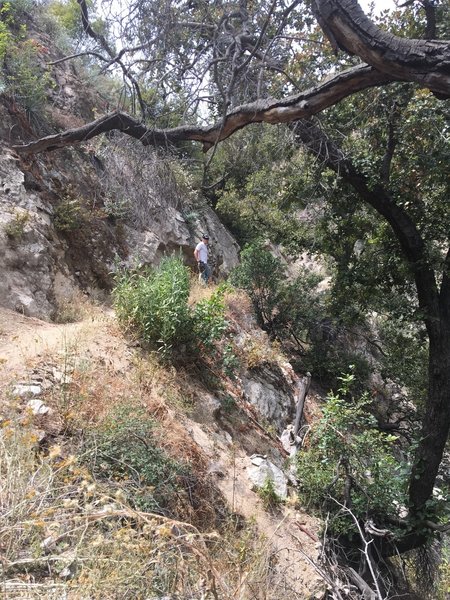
(61, 382)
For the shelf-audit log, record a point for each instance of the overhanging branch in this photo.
(302, 105)
(426, 62)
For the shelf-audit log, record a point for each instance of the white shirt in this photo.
(202, 250)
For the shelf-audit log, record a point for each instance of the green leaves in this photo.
(154, 304)
(123, 450)
(261, 275)
(350, 460)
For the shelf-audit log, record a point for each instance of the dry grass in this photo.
(64, 534)
(258, 350)
(76, 307)
(199, 291)
(240, 310)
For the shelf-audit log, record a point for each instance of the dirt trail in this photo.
(25, 341)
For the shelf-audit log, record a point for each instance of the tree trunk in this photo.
(434, 305)
(426, 62)
(436, 421)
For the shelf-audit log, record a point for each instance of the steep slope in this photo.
(61, 380)
(68, 219)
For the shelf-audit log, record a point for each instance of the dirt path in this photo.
(25, 341)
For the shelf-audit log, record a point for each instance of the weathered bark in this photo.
(269, 110)
(426, 62)
(302, 393)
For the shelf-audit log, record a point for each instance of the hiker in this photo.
(201, 256)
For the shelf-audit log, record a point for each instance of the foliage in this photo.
(258, 195)
(208, 318)
(67, 13)
(16, 227)
(230, 362)
(405, 356)
(111, 550)
(155, 305)
(5, 38)
(260, 275)
(117, 207)
(67, 215)
(349, 460)
(26, 79)
(123, 450)
(296, 311)
(268, 495)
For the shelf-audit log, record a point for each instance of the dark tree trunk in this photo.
(436, 421)
(426, 62)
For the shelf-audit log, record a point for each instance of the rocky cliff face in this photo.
(68, 218)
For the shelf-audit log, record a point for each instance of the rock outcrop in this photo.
(68, 218)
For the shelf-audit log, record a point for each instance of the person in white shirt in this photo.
(201, 256)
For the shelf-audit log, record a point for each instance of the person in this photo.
(201, 256)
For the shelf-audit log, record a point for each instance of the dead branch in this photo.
(303, 392)
(365, 551)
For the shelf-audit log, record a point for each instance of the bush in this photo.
(16, 227)
(270, 499)
(123, 451)
(26, 80)
(208, 318)
(261, 276)
(155, 305)
(295, 312)
(68, 214)
(350, 462)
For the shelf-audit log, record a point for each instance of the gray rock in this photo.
(26, 390)
(262, 470)
(38, 407)
(268, 389)
(61, 376)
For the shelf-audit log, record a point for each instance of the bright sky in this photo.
(379, 4)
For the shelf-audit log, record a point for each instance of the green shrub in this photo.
(155, 305)
(16, 227)
(349, 460)
(5, 40)
(117, 207)
(123, 451)
(68, 214)
(296, 312)
(26, 80)
(261, 276)
(270, 499)
(208, 318)
(68, 16)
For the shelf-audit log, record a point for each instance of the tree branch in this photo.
(269, 110)
(430, 13)
(377, 196)
(426, 62)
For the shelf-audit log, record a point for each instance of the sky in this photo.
(379, 4)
